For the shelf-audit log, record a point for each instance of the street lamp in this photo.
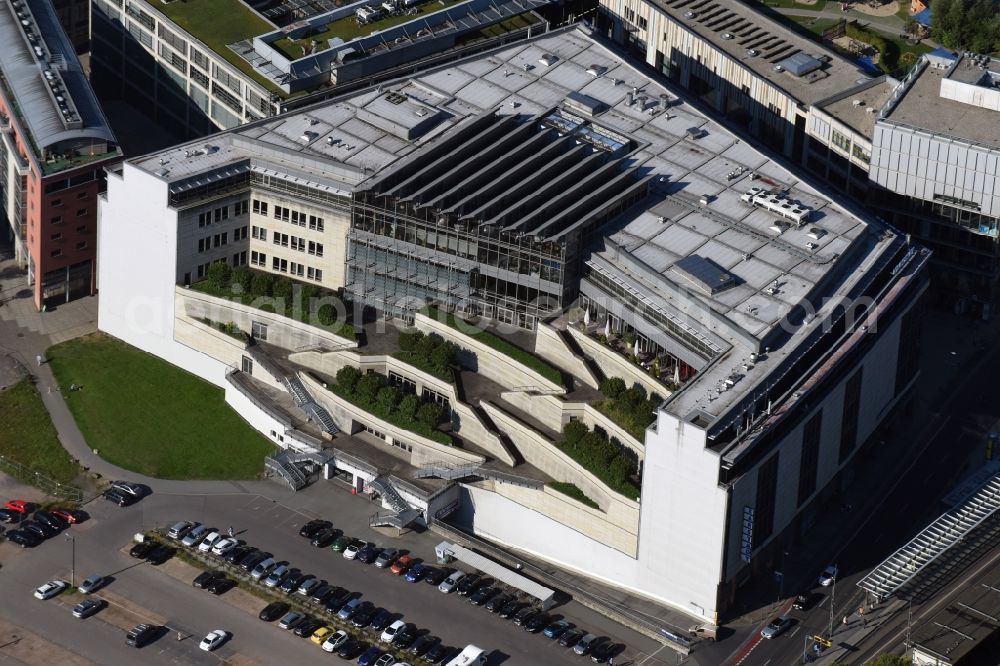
(72, 568)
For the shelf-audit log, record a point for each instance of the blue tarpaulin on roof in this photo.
(924, 17)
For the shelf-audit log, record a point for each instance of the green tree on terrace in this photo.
(219, 274)
(348, 377)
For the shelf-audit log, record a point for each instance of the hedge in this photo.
(888, 61)
(628, 407)
(608, 461)
(430, 353)
(573, 491)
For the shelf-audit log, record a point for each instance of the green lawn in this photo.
(792, 4)
(817, 26)
(221, 22)
(143, 414)
(28, 437)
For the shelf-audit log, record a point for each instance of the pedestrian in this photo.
(845, 621)
(231, 530)
(38, 357)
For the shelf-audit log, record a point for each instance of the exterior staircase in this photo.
(305, 401)
(279, 465)
(402, 513)
(399, 520)
(443, 470)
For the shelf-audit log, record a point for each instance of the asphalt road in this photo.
(268, 525)
(907, 504)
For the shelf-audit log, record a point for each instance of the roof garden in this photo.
(217, 23)
(348, 28)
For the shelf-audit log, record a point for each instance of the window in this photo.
(316, 249)
(642, 23)
(82, 229)
(849, 420)
(841, 141)
(222, 213)
(80, 212)
(203, 244)
(298, 218)
(57, 202)
(314, 274)
(82, 195)
(55, 237)
(260, 233)
(55, 253)
(258, 330)
(767, 485)
(57, 219)
(298, 244)
(260, 207)
(281, 213)
(241, 207)
(809, 461)
(240, 258)
(315, 223)
(239, 233)
(204, 218)
(258, 258)
(247, 365)
(281, 239)
(280, 265)
(82, 245)
(908, 355)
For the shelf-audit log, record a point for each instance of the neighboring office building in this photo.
(56, 144)
(74, 16)
(448, 185)
(201, 65)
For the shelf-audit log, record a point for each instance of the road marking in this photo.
(795, 631)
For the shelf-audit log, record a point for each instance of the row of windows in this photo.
(79, 195)
(57, 219)
(82, 245)
(239, 259)
(218, 240)
(296, 243)
(294, 268)
(222, 213)
(295, 217)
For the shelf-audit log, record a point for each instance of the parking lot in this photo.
(154, 596)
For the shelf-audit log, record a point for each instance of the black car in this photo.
(423, 644)
(159, 554)
(468, 585)
(380, 620)
(336, 600)
(141, 550)
(511, 608)
(50, 520)
(482, 595)
(237, 554)
(525, 615)
(351, 649)
(206, 578)
(41, 529)
(11, 516)
(496, 604)
(141, 635)
(273, 611)
(437, 654)
(324, 538)
(537, 623)
(321, 593)
(363, 616)
(405, 637)
(435, 576)
(252, 560)
(571, 637)
(307, 627)
(220, 585)
(803, 601)
(368, 553)
(604, 651)
(119, 498)
(310, 529)
(23, 538)
(292, 582)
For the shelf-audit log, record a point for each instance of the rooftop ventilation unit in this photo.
(777, 204)
(778, 68)
(584, 104)
(704, 274)
(752, 52)
(800, 64)
(548, 60)
(695, 132)
(596, 70)
(726, 35)
(690, 15)
(858, 102)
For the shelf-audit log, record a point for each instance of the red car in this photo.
(71, 516)
(19, 505)
(400, 566)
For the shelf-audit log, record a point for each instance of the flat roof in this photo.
(735, 28)
(921, 105)
(53, 96)
(859, 117)
(968, 620)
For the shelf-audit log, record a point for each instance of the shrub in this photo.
(219, 274)
(426, 345)
(443, 355)
(243, 277)
(613, 387)
(261, 284)
(573, 432)
(347, 331)
(388, 398)
(408, 406)
(574, 492)
(282, 289)
(593, 451)
(430, 414)
(347, 377)
(409, 339)
(327, 314)
(635, 395)
(368, 386)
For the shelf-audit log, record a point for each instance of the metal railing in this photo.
(45, 484)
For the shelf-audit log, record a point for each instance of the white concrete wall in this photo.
(266, 424)
(550, 346)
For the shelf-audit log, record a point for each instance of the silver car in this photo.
(386, 558)
(197, 533)
(776, 627)
(90, 583)
(263, 568)
(276, 576)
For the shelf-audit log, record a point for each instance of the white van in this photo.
(470, 656)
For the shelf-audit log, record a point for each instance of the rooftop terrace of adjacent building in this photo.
(48, 90)
(765, 46)
(858, 107)
(956, 97)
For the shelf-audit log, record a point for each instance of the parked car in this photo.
(525, 615)
(210, 541)
(603, 652)
(50, 589)
(41, 529)
(88, 607)
(213, 640)
(307, 627)
(570, 638)
(307, 586)
(252, 560)
(263, 568)
(586, 644)
(423, 644)
(273, 611)
(776, 627)
(482, 595)
(179, 529)
(405, 636)
(23, 538)
(141, 549)
(291, 583)
(119, 498)
(351, 649)
(828, 576)
(11, 516)
(415, 572)
(385, 660)
(336, 600)
(206, 578)
(537, 623)
(435, 576)
(324, 538)
(19, 506)
(90, 583)
(390, 631)
(51, 520)
(277, 575)
(127, 488)
(803, 601)
(159, 554)
(220, 585)
(352, 549)
(381, 620)
(401, 565)
(320, 635)
(291, 620)
(197, 533)
(335, 640)
(349, 609)
(237, 553)
(320, 593)
(368, 554)
(141, 635)
(449, 583)
(557, 628)
(495, 604)
(468, 584)
(437, 654)
(71, 516)
(511, 608)
(369, 656)
(363, 617)
(340, 543)
(386, 558)
(310, 529)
